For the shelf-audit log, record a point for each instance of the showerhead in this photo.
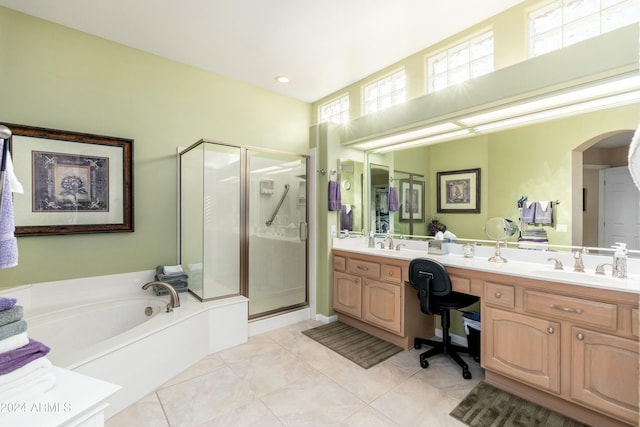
(5, 132)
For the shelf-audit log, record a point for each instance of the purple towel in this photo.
(335, 197)
(14, 359)
(7, 303)
(394, 203)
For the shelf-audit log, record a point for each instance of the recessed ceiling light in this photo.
(282, 79)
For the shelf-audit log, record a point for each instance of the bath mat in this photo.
(487, 406)
(358, 346)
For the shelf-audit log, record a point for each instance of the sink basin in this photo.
(587, 277)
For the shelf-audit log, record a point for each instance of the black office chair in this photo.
(432, 281)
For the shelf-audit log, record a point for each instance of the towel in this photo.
(13, 328)
(528, 212)
(11, 315)
(178, 285)
(13, 342)
(29, 390)
(161, 276)
(172, 269)
(14, 359)
(7, 303)
(8, 241)
(39, 365)
(346, 222)
(335, 197)
(634, 158)
(394, 203)
(544, 212)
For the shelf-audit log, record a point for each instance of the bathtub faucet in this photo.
(174, 299)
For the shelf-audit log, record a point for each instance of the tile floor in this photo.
(283, 378)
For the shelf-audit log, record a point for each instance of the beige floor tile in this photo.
(202, 367)
(255, 413)
(147, 412)
(368, 417)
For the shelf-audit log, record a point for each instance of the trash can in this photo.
(472, 329)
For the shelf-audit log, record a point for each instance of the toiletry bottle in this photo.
(620, 260)
(372, 241)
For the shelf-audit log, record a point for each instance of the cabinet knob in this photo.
(498, 295)
(391, 273)
(550, 329)
(360, 267)
(580, 337)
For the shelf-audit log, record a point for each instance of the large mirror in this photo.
(578, 163)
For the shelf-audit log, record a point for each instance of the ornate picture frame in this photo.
(458, 191)
(74, 182)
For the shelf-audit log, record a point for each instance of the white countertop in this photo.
(73, 398)
(521, 263)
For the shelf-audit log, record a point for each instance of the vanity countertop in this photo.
(521, 263)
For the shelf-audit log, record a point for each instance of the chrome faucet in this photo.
(399, 245)
(174, 299)
(390, 241)
(557, 264)
(579, 265)
(600, 268)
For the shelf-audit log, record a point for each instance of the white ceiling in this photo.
(321, 45)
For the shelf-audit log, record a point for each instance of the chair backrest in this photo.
(429, 277)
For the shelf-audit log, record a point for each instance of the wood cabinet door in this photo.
(522, 347)
(383, 305)
(347, 294)
(604, 373)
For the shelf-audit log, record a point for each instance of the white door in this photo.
(621, 208)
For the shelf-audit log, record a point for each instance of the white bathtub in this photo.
(96, 326)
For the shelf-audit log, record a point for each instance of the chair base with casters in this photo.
(437, 297)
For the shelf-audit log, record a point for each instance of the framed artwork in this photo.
(411, 200)
(458, 191)
(73, 182)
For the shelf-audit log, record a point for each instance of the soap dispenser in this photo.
(620, 260)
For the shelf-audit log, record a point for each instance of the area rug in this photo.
(487, 406)
(359, 347)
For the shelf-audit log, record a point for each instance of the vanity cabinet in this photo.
(579, 344)
(370, 293)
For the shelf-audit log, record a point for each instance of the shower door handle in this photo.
(303, 231)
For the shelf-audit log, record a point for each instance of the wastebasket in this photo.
(472, 329)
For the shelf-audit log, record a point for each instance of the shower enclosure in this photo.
(243, 225)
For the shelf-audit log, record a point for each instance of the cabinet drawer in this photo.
(392, 273)
(576, 309)
(496, 294)
(363, 268)
(339, 263)
(460, 284)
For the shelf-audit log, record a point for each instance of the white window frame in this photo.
(460, 62)
(567, 30)
(385, 92)
(337, 110)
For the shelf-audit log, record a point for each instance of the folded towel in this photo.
(544, 212)
(39, 365)
(161, 276)
(7, 303)
(13, 342)
(335, 197)
(394, 203)
(180, 287)
(13, 328)
(29, 390)
(8, 241)
(14, 359)
(172, 269)
(529, 213)
(12, 315)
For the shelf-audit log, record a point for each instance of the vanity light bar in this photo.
(406, 136)
(425, 141)
(579, 95)
(593, 105)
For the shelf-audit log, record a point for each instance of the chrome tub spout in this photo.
(174, 298)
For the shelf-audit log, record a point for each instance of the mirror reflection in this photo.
(351, 180)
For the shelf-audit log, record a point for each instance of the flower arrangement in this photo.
(436, 225)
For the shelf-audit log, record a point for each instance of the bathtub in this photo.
(98, 327)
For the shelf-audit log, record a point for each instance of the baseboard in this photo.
(270, 323)
(326, 319)
(456, 339)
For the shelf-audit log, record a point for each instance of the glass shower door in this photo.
(277, 232)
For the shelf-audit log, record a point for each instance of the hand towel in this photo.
(12, 360)
(12, 315)
(172, 269)
(528, 213)
(543, 212)
(13, 328)
(161, 276)
(41, 364)
(30, 390)
(13, 342)
(634, 158)
(335, 197)
(7, 303)
(8, 241)
(346, 219)
(394, 203)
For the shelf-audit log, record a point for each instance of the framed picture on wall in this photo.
(458, 191)
(411, 200)
(73, 182)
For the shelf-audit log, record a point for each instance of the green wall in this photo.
(59, 78)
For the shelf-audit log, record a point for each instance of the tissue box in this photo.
(438, 247)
